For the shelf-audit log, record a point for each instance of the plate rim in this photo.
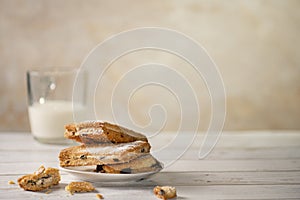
(67, 169)
(103, 177)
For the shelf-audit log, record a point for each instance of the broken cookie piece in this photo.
(95, 132)
(165, 192)
(143, 163)
(40, 180)
(79, 187)
(102, 154)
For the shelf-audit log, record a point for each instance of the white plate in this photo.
(87, 173)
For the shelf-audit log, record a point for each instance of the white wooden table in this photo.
(244, 165)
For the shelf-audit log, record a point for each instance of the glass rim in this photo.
(52, 70)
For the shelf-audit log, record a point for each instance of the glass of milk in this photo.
(50, 102)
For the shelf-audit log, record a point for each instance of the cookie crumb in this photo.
(165, 192)
(79, 187)
(48, 191)
(99, 196)
(11, 182)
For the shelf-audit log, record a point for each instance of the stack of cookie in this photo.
(109, 147)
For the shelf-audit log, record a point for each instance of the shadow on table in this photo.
(164, 178)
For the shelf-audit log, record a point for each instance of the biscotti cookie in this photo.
(40, 180)
(79, 187)
(144, 163)
(90, 132)
(84, 155)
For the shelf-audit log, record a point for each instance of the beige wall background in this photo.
(254, 43)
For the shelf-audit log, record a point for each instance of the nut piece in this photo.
(99, 196)
(79, 187)
(40, 170)
(165, 192)
(11, 182)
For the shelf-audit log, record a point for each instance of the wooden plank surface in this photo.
(199, 179)
(183, 166)
(246, 165)
(247, 192)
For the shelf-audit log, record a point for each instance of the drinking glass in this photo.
(50, 104)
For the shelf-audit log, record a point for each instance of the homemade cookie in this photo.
(112, 148)
(79, 187)
(105, 154)
(40, 180)
(90, 132)
(144, 163)
(165, 192)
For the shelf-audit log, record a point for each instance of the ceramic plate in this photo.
(87, 173)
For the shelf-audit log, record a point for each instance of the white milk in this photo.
(48, 120)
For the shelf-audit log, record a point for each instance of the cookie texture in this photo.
(102, 154)
(144, 163)
(91, 132)
(41, 179)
